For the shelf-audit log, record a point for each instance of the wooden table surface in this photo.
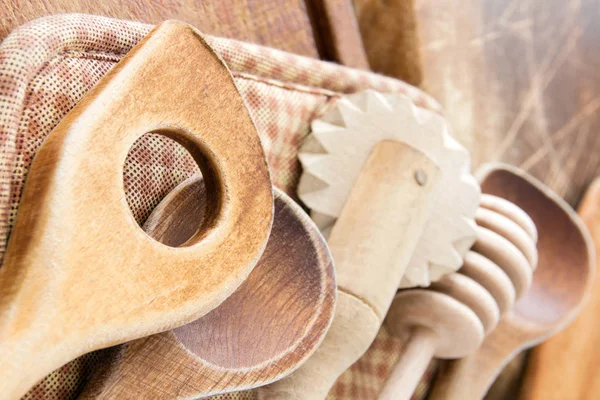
(520, 82)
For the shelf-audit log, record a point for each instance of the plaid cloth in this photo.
(47, 65)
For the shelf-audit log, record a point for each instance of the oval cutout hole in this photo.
(155, 165)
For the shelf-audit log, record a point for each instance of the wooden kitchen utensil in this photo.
(342, 141)
(451, 318)
(566, 366)
(560, 285)
(79, 273)
(262, 332)
(380, 196)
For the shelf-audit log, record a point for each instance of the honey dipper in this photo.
(562, 283)
(451, 318)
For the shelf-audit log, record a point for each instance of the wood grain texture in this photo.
(342, 140)
(450, 318)
(390, 37)
(340, 37)
(262, 332)
(561, 283)
(79, 273)
(571, 357)
(519, 83)
(325, 29)
(371, 247)
(283, 24)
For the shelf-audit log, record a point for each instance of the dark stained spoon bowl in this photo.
(261, 333)
(561, 283)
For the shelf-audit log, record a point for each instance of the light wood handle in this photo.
(411, 366)
(353, 328)
(79, 273)
(470, 377)
(371, 243)
(241, 343)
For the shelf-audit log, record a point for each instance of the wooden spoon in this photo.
(566, 366)
(451, 318)
(262, 332)
(79, 273)
(560, 285)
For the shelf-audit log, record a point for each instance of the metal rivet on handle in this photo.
(420, 177)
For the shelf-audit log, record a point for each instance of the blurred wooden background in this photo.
(519, 81)
(517, 78)
(323, 29)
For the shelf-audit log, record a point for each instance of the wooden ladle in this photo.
(560, 285)
(79, 273)
(264, 331)
(451, 318)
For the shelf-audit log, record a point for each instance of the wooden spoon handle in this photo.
(470, 377)
(371, 243)
(411, 366)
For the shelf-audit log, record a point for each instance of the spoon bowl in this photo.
(561, 283)
(262, 332)
(566, 259)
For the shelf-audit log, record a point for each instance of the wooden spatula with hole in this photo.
(264, 331)
(79, 273)
(560, 285)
